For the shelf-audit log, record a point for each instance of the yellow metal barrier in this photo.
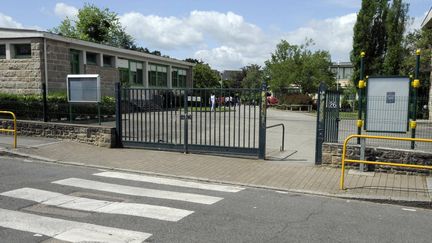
(344, 160)
(11, 130)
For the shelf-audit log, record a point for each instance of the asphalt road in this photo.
(207, 213)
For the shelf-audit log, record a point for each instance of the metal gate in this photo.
(185, 120)
(327, 130)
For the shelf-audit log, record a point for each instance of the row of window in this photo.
(130, 71)
(18, 51)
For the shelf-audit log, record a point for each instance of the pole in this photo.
(45, 105)
(119, 132)
(415, 84)
(361, 86)
(263, 122)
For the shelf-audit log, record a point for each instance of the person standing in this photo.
(212, 101)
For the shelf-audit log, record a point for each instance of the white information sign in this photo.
(83, 88)
(387, 104)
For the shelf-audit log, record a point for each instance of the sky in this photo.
(227, 34)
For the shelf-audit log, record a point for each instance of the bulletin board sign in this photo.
(83, 88)
(387, 104)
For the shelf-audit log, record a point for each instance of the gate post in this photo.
(263, 122)
(320, 130)
(118, 114)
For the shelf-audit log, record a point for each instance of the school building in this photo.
(29, 58)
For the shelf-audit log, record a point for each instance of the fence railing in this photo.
(345, 160)
(14, 130)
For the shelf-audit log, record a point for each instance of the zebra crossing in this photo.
(75, 231)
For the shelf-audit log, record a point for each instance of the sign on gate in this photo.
(387, 104)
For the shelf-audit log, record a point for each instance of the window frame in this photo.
(3, 56)
(111, 61)
(21, 56)
(87, 58)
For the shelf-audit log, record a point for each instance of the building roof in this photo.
(342, 64)
(12, 33)
(427, 22)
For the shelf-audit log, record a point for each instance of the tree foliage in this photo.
(95, 25)
(370, 36)
(253, 75)
(379, 32)
(101, 26)
(418, 39)
(396, 22)
(298, 66)
(204, 76)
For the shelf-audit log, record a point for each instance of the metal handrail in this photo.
(283, 134)
(11, 130)
(342, 179)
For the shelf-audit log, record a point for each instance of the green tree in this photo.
(419, 39)
(205, 77)
(253, 76)
(96, 25)
(370, 36)
(298, 66)
(396, 22)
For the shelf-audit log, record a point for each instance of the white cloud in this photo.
(161, 32)
(62, 10)
(332, 34)
(227, 40)
(8, 22)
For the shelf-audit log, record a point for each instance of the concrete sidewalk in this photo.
(280, 175)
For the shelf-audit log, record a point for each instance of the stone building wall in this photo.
(95, 135)
(108, 75)
(23, 76)
(58, 65)
(332, 156)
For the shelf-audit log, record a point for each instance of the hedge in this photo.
(30, 107)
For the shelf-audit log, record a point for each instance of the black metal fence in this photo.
(211, 120)
(53, 106)
(348, 125)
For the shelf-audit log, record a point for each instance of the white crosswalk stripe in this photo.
(66, 230)
(170, 182)
(100, 206)
(73, 231)
(137, 191)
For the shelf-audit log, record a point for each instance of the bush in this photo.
(30, 107)
(295, 99)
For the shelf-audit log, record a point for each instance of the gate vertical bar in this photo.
(263, 115)
(186, 132)
(119, 132)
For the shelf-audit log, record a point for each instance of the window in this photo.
(158, 76)
(178, 77)
(108, 61)
(91, 58)
(75, 61)
(22, 50)
(2, 51)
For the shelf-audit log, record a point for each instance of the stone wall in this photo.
(23, 76)
(95, 135)
(332, 154)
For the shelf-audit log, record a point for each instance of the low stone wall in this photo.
(332, 154)
(89, 134)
